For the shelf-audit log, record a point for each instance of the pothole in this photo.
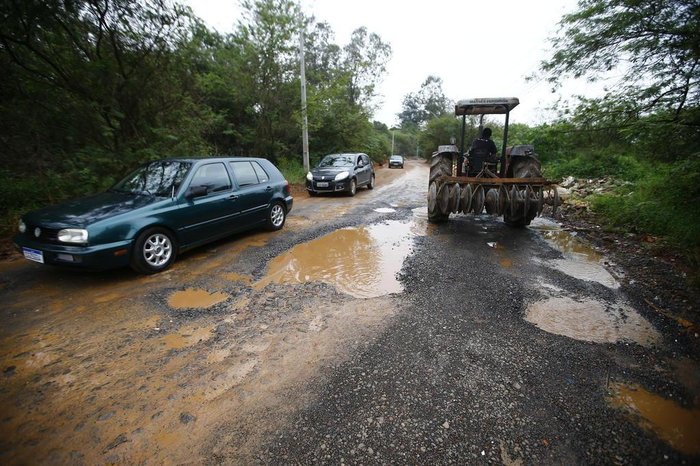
(580, 260)
(362, 262)
(593, 321)
(187, 337)
(192, 298)
(676, 425)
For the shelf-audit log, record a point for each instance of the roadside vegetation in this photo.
(92, 88)
(644, 132)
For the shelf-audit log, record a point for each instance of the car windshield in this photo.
(395, 157)
(161, 178)
(337, 161)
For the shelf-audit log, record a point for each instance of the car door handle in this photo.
(233, 197)
(268, 189)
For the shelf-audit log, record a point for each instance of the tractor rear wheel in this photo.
(440, 165)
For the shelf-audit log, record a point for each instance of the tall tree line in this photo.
(91, 88)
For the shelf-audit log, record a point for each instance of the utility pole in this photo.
(304, 119)
(392, 142)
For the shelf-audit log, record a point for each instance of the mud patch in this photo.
(192, 298)
(593, 321)
(361, 262)
(676, 425)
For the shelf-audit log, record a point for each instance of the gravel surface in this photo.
(456, 368)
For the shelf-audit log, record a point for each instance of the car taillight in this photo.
(286, 188)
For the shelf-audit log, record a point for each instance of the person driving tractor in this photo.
(482, 150)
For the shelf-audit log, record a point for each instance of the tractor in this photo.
(469, 182)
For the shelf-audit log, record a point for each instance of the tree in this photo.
(364, 61)
(655, 43)
(428, 103)
(93, 76)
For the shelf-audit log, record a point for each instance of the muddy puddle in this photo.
(676, 425)
(362, 262)
(187, 337)
(580, 260)
(589, 320)
(192, 298)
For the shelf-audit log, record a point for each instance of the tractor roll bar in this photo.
(486, 106)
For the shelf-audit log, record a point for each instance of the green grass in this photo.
(663, 201)
(293, 170)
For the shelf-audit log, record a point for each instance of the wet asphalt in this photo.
(460, 377)
(453, 374)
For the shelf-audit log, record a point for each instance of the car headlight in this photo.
(309, 176)
(22, 226)
(73, 235)
(341, 176)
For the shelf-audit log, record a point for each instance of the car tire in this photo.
(313, 193)
(276, 216)
(155, 250)
(353, 187)
(370, 185)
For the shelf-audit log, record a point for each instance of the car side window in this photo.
(359, 162)
(244, 173)
(214, 176)
(365, 160)
(260, 171)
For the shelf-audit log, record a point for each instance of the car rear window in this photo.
(245, 173)
(260, 171)
(214, 176)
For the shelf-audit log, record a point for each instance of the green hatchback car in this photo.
(160, 210)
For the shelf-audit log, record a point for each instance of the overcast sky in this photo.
(479, 49)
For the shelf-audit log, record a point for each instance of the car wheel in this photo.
(276, 216)
(353, 187)
(313, 193)
(154, 251)
(371, 182)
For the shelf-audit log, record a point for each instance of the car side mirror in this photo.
(196, 191)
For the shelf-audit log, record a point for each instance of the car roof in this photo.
(210, 159)
(340, 154)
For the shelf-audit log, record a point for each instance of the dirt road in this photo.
(359, 333)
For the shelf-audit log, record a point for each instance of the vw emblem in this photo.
(37, 232)
(323, 177)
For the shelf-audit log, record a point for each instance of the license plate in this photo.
(33, 255)
(322, 184)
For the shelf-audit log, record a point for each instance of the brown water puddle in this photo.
(676, 425)
(362, 262)
(580, 260)
(503, 259)
(192, 298)
(187, 337)
(589, 320)
(237, 277)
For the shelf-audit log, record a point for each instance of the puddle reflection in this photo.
(592, 321)
(678, 426)
(362, 262)
(580, 260)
